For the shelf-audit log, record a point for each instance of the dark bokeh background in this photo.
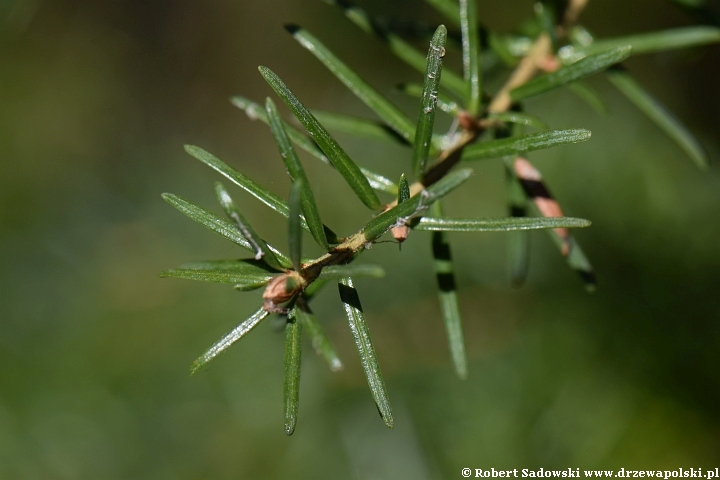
(97, 99)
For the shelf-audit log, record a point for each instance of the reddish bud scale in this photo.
(549, 64)
(281, 289)
(400, 232)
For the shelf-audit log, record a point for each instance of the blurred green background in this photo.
(97, 100)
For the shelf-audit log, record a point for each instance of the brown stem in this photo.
(529, 66)
(572, 13)
(524, 72)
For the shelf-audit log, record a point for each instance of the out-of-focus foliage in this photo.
(98, 99)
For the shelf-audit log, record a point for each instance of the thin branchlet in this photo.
(472, 128)
(286, 289)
